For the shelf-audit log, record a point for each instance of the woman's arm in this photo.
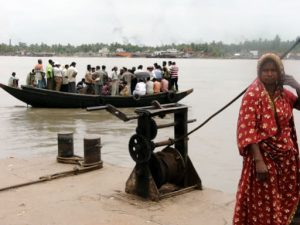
(297, 103)
(260, 166)
(290, 80)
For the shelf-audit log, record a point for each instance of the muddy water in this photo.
(27, 131)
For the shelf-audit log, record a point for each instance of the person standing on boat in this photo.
(13, 80)
(114, 81)
(89, 80)
(166, 74)
(268, 190)
(169, 65)
(39, 73)
(49, 74)
(106, 81)
(30, 79)
(139, 69)
(71, 74)
(98, 78)
(157, 72)
(150, 70)
(134, 79)
(174, 76)
(57, 72)
(105, 74)
(65, 79)
(127, 76)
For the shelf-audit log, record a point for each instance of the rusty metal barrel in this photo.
(65, 144)
(92, 149)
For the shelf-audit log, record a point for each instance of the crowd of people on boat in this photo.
(134, 81)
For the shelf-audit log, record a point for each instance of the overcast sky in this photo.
(147, 22)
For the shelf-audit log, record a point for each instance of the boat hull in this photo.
(44, 98)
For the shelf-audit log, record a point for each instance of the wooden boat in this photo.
(37, 97)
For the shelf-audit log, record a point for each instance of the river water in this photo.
(27, 131)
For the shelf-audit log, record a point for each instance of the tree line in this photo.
(212, 49)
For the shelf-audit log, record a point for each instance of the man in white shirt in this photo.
(71, 73)
(13, 81)
(139, 69)
(149, 86)
(140, 88)
(58, 78)
(65, 82)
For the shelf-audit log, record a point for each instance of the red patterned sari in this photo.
(275, 200)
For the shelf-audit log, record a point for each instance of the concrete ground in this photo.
(98, 197)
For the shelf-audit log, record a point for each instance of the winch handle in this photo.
(113, 110)
(93, 108)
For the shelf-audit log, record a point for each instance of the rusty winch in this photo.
(164, 173)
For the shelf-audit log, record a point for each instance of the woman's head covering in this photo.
(275, 58)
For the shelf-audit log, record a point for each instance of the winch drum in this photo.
(167, 166)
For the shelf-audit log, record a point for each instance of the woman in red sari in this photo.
(268, 191)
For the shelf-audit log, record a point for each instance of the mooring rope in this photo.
(79, 169)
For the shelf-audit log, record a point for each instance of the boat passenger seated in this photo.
(13, 81)
(164, 85)
(125, 91)
(149, 87)
(140, 88)
(156, 86)
(30, 79)
(106, 89)
(81, 86)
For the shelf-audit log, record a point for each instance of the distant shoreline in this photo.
(214, 50)
(97, 56)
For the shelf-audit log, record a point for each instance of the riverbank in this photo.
(97, 197)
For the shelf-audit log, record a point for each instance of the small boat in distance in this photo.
(44, 98)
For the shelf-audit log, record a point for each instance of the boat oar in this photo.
(232, 101)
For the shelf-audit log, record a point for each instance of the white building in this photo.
(104, 51)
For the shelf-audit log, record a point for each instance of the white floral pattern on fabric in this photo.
(273, 201)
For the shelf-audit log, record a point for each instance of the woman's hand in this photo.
(290, 81)
(261, 170)
(260, 166)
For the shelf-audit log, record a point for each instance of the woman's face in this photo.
(269, 74)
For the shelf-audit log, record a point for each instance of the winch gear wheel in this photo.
(140, 148)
